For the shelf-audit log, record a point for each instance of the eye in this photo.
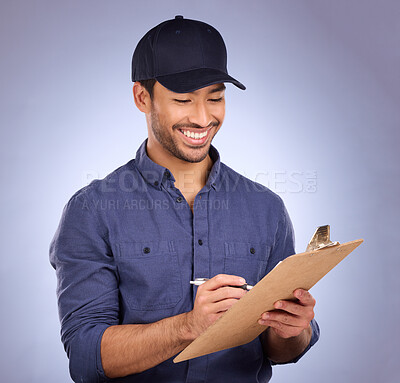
(216, 99)
(182, 101)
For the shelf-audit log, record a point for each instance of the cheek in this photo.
(220, 113)
(164, 121)
(172, 116)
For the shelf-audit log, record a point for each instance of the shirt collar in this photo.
(156, 175)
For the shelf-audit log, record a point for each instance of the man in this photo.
(128, 246)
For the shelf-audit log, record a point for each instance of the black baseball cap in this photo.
(183, 55)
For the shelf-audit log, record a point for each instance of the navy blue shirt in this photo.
(128, 245)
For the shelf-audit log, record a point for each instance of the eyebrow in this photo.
(218, 89)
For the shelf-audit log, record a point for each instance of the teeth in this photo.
(196, 136)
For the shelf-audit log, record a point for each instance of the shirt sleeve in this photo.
(283, 247)
(87, 287)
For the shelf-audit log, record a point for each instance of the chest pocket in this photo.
(247, 260)
(149, 275)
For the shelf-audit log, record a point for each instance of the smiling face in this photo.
(182, 125)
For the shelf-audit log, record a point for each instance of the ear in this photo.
(141, 97)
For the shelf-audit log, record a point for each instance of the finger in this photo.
(221, 280)
(283, 330)
(285, 318)
(292, 307)
(304, 297)
(226, 293)
(209, 297)
(213, 296)
(224, 305)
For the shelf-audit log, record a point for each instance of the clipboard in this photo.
(239, 325)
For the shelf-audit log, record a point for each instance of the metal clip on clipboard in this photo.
(321, 239)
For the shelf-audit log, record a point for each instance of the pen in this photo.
(200, 281)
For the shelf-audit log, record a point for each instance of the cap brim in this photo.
(192, 80)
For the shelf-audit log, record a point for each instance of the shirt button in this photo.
(252, 250)
(146, 250)
(179, 199)
(167, 174)
(200, 242)
(155, 183)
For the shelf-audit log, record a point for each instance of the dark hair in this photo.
(149, 85)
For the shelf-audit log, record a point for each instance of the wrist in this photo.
(187, 332)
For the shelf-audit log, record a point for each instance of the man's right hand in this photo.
(213, 298)
(133, 348)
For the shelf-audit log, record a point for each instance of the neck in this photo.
(190, 177)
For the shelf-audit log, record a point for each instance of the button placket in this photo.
(201, 255)
(201, 268)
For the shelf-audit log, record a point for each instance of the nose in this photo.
(201, 115)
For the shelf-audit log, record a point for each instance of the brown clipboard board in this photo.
(239, 325)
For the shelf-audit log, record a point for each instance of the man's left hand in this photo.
(290, 318)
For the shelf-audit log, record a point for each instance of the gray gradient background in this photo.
(323, 95)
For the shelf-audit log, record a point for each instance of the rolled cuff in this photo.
(85, 356)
